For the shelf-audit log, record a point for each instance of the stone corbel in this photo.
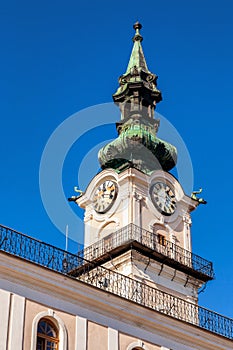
(187, 219)
(161, 220)
(88, 217)
(138, 197)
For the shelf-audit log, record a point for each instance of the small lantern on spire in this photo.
(137, 37)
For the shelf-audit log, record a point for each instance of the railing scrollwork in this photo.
(63, 262)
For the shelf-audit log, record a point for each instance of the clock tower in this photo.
(137, 216)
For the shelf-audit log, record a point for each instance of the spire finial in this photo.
(137, 37)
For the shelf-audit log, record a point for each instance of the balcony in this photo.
(60, 261)
(150, 244)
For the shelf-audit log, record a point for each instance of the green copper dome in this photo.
(137, 144)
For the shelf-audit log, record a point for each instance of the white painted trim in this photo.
(137, 344)
(50, 314)
(106, 223)
(4, 318)
(112, 339)
(16, 325)
(81, 333)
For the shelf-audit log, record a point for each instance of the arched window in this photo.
(58, 327)
(160, 238)
(47, 335)
(138, 345)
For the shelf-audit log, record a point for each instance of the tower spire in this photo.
(137, 144)
(138, 91)
(137, 58)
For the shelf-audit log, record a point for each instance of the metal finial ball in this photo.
(137, 25)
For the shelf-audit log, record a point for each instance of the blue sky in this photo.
(61, 57)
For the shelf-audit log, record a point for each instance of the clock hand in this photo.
(161, 196)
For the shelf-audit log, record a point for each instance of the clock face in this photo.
(163, 198)
(104, 196)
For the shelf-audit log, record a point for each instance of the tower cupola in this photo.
(137, 144)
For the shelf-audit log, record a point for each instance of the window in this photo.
(138, 345)
(161, 239)
(58, 337)
(47, 335)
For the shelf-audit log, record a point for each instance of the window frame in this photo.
(46, 337)
(59, 324)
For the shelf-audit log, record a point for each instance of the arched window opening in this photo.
(137, 345)
(47, 335)
(160, 238)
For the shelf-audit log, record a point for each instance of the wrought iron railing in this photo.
(125, 287)
(34, 250)
(152, 241)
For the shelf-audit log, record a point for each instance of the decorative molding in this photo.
(50, 314)
(88, 216)
(16, 324)
(187, 219)
(81, 333)
(114, 220)
(113, 339)
(16, 275)
(138, 196)
(5, 298)
(137, 344)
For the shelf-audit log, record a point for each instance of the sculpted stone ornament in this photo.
(138, 197)
(194, 196)
(74, 198)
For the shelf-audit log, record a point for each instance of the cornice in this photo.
(45, 286)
